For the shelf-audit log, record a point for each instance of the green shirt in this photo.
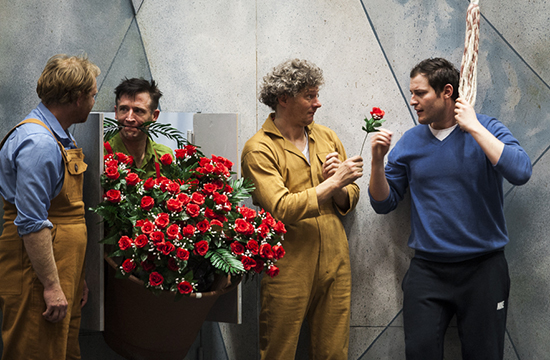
(149, 160)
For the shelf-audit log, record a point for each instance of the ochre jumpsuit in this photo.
(315, 274)
(25, 333)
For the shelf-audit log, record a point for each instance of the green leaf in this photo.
(224, 260)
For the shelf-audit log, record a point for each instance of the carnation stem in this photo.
(361, 152)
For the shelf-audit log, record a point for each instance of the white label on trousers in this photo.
(500, 305)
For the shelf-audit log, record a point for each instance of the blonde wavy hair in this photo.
(290, 77)
(65, 78)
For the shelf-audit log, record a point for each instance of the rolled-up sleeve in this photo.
(39, 170)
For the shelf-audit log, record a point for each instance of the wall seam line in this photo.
(388, 62)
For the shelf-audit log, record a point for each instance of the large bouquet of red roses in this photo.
(176, 231)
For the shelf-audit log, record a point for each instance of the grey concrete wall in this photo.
(210, 55)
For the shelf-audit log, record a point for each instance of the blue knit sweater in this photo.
(456, 193)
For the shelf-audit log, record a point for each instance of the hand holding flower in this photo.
(373, 123)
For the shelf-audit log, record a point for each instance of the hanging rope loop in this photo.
(468, 70)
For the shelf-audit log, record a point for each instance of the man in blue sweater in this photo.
(454, 164)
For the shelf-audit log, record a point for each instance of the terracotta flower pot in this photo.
(142, 326)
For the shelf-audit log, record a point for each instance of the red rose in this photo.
(129, 160)
(166, 159)
(156, 279)
(268, 220)
(197, 198)
(128, 265)
(166, 247)
(259, 266)
(149, 184)
(193, 210)
(278, 251)
(219, 184)
(247, 213)
(172, 264)
(273, 271)
(121, 157)
(180, 153)
(209, 168)
(228, 189)
(216, 222)
(147, 227)
(377, 113)
(203, 226)
(113, 196)
(112, 172)
(184, 198)
(157, 237)
(203, 161)
(243, 227)
(191, 150)
(124, 243)
(174, 205)
(147, 203)
(185, 287)
(110, 162)
(162, 220)
(248, 263)
(201, 248)
(182, 254)
(173, 231)
(188, 230)
(209, 213)
(164, 183)
(263, 230)
(220, 199)
(253, 246)
(147, 265)
(193, 183)
(237, 248)
(132, 179)
(220, 169)
(209, 188)
(279, 228)
(173, 188)
(141, 241)
(266, 252)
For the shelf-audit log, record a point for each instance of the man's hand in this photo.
(56, 304)
(349, 171)
(337, 176)
(380, 141)
(331, 164)
(85, 292)
(378, 185)
(465, 116)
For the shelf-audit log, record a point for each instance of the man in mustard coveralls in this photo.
(136, 103)
(303, 178)
(43, 244)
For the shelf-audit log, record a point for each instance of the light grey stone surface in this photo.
(129, 61)
(528, 255)
(210, 56)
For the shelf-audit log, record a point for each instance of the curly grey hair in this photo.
(290, 77)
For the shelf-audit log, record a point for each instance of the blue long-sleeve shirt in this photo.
(32, 169)
(457, 195)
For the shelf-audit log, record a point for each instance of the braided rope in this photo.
(467, 88)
